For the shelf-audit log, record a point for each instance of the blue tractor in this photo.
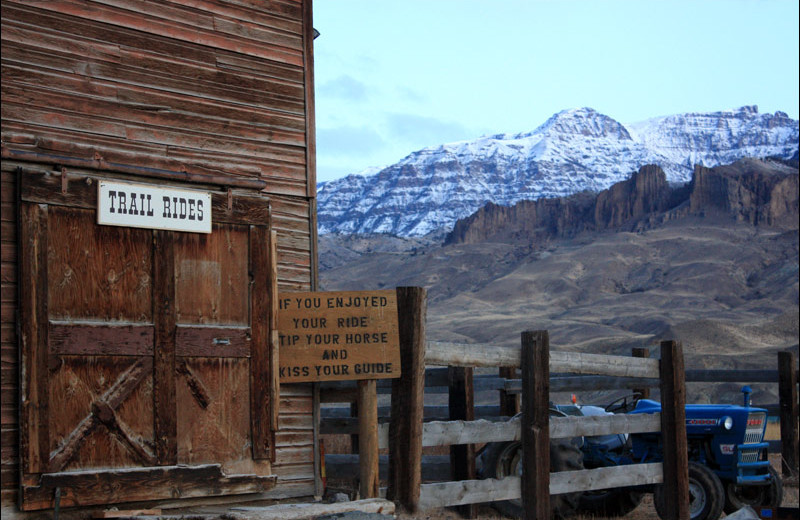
(728, 462)
(729, 466)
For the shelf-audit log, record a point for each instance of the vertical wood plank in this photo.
(368, 437)
(164, 316)
(673, 431)
(33, 337)
(308, 68)
(405, 428)
(260, 308)
(509, 403)
(536, 425)
(274, 352)
(320, 482)
(787, 392)
(461, 403)
(641, 352)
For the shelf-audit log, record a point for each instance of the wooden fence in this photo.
(403, 431)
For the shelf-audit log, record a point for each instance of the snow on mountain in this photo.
(574, 150)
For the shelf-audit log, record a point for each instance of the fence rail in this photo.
(401, 428)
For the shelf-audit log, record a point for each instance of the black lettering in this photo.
(149, 205)
(293, 372)
(322, 339)
(182, 208)
(191, 209)
(134, 209)
(310, 303)
(167, 210)
(123, 205)
(113, 196)
(352, 321)
(310, 323)
(358, 338)
(200, 210)
(372, 368)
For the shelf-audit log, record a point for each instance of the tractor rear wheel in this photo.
(706, 494)
(736, 497)
(504, 459)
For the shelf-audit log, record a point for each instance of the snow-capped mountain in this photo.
(574, 150)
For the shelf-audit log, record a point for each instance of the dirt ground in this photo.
(645, 511)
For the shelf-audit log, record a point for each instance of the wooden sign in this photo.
(153, 207)
(330, 336)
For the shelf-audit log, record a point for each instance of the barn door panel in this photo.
(143, 352)
(100, 391)
(212, 274)
(97, 273)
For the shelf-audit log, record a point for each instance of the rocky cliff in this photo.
(760, 192)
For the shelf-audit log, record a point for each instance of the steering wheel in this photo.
(624, 404)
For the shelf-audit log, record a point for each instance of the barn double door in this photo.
(146, 353)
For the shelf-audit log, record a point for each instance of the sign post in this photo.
(333, 336)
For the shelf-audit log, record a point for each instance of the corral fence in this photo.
(408, 425)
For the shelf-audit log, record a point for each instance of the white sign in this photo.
(153, 207)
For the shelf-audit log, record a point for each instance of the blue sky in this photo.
(395, 76)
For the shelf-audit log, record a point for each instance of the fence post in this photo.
(354, 441)
(673, 431)
(368, 438)
(536, 425)
(405, 428)
(642, 352)
(354, 436)
(787, 391)
(509, 403)
(461, 402)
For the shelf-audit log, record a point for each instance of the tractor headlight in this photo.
(727, 422)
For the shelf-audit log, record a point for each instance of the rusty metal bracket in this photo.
(64, 181)
(230, 200)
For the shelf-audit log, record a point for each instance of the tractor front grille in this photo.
(754, 433)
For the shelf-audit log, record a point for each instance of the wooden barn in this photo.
(158, 189)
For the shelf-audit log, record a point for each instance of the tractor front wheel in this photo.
(736, 497)
(706, 494)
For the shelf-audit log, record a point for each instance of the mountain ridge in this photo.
(714, 265)
(574, 150)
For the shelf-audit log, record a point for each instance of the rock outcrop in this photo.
(759, 192)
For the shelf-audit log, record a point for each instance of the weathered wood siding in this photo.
(213, 92)
(202, 86)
